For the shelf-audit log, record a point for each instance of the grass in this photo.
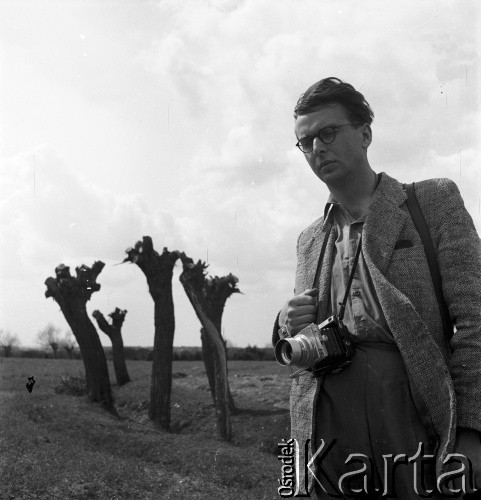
(58, 446)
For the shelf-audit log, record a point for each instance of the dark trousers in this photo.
(368, 409)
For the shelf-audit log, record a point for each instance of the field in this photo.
(59, 446)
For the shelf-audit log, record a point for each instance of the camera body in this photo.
(319, 349)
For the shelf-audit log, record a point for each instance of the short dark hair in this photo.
(333, 90)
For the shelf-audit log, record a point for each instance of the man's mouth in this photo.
(324, 163)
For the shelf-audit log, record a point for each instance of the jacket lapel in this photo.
(384, 222)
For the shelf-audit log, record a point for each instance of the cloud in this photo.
(51, 215)
(242, 69)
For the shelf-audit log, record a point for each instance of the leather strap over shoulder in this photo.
(423, 230)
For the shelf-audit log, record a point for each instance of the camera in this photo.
(319, 349)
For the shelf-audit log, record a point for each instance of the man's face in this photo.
(344, 158)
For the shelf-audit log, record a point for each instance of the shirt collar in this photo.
(332, 209)
(331, 202)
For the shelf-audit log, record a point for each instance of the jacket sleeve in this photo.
(459, 256)
(275, 334)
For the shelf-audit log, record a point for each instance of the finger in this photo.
(301, 311)
(301, 321)
(313, 292)
(294, 330)
(301, 300)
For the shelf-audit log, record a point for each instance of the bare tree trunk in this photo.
(208, 297)
(158, 270)
(120, 366)
(221, 384)
(232, 405)
(114, 332)
(209, 362)
(72, 293)
(161, 383)
(207, 353)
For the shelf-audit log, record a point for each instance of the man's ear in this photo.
(366, 135)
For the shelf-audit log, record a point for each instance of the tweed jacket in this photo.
(445, 375)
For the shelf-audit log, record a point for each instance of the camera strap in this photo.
(323, 251)
(351, 277)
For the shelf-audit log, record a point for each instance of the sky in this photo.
(175, 120)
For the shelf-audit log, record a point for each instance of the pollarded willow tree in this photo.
(114, 331)
(208, 297)
(158, 270)
(71, 294)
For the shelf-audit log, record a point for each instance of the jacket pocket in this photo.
(411, 253)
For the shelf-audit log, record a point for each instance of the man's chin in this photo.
(327, 172)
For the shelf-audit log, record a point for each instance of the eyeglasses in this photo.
(326, 135)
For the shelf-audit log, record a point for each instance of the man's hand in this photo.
(300, 311)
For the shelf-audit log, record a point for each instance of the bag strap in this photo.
(423, 230)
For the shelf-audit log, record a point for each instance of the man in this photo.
(408, 383)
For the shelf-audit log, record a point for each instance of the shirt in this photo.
(363, 315)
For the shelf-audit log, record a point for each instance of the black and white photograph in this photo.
(239, 249)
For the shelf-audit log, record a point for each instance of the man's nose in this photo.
(318, 147)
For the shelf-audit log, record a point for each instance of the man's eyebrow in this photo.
(317, 131)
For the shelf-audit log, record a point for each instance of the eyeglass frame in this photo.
(334, 127)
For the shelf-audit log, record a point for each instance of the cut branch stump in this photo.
(114, 331)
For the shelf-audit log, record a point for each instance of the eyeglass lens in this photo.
(326, 135)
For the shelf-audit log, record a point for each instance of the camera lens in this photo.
(280, 352)
(287, 352)
(302, 351)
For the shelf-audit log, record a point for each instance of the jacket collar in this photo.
(384, 221)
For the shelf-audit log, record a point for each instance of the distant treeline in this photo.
(249, 353)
